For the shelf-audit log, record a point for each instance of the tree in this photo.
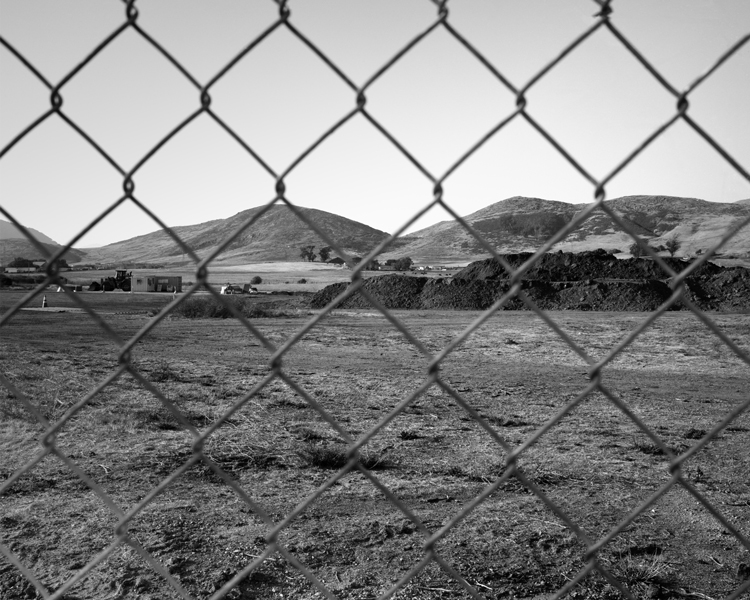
(403, 264)
(21, 262)
(256, 280)
(61, 264)
(672, 244)
(325, 253)
(636, 251)
(307, 253)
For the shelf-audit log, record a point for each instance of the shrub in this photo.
(303, 280)
(27, 279)
(163, 372)
(455, 471)
(202, 307)
(309, 435)
(323, 457)
(639, 573)
(328, 457)
(256, 280)
(672, 244)
(636, 250)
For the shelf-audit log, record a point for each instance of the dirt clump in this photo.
(557, 281)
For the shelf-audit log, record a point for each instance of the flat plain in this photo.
(434, 455)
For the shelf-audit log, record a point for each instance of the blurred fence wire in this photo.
(603, 20)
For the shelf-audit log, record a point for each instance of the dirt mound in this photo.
(567, 266)
(727, 290)
(405, 292)
(394, 291)
(560, 281)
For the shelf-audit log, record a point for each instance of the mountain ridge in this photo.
(8, 231)
(14, 244)
(519, 224)
(516, 224)
(277, 234)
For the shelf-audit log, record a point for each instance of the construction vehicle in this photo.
(121, 281)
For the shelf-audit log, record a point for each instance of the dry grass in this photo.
(594, 463)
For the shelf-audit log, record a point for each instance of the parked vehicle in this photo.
(229, 289)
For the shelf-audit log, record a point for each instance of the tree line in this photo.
(20, 262)
(307, 253)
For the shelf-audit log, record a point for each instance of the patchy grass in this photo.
(593, 463)
(644, 575)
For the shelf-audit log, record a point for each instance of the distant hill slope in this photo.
(517, 224)
(521, 224)
(8, 231)
(277, 235)
(13, 244)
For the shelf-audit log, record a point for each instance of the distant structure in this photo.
(155, 283)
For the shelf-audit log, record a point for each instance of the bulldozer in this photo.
(121, 281)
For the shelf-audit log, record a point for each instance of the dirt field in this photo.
(434, 456)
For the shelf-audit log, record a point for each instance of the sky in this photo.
(438, 100)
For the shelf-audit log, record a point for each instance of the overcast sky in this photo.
(437, 101)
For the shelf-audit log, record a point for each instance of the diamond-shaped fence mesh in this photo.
(578, 545)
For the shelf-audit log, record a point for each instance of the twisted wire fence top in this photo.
(604, 21)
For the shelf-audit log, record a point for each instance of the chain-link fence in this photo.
(273, 524)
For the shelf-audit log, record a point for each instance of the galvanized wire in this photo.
(432, 378)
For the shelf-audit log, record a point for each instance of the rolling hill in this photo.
(14, 244)
(276, 236)
(516, 224)
(8, 231)
(521, 224)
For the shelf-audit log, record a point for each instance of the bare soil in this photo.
(514, 372)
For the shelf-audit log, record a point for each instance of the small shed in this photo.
(151, 282)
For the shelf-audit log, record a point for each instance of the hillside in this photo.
(276, 236)
(521, 224)
(8, 231)
(14, 244)
(516, 224)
